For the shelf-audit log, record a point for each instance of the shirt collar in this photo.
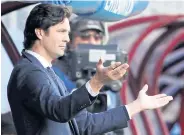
(41, 59)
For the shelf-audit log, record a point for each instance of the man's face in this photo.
(55, 39)
(87, 37)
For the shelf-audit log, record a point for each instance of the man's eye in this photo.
(61, 31)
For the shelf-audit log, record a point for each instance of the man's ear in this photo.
(39, 33)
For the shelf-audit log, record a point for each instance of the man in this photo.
(86, 31)
(39, 100)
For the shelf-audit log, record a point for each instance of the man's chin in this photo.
(60, 55)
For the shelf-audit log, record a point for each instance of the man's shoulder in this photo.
(25, 67)
(25, 64)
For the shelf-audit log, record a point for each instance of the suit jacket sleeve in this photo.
(39, 95)
(98, 123)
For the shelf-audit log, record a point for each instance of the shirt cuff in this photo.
(91, 92)
(128, 111)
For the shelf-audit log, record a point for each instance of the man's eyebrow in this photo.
(63, 29)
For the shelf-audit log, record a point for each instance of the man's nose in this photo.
(67, 39)
(92, 41)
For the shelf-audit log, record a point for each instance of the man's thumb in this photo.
(145, 88)
(100, 62)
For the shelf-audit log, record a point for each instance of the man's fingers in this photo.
(114, 65)
(120, 70)
(121, 67)
(124, 66)
(169, 98)
(165, 100)
(160, 96)
(100, 62)
(161, 104)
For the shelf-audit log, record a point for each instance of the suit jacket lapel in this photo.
(36, 62)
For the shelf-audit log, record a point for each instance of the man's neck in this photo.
(42, 60)
(42, 52)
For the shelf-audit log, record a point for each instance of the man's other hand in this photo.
(145, 102)
(152, 102)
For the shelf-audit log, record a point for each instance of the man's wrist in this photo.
(134, 108)
(91, 91)
(128, 111)
(95, 83)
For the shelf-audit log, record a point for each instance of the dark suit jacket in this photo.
(7, 126)
(40, 106)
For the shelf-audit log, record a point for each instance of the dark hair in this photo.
(43, 16)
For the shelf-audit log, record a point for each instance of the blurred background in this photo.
(154, 41)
